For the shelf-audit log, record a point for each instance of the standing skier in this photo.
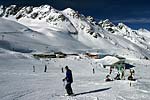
(33, 68)
(93, 71)
(62, 70)
(69, 80)
(110, 71)
(45, 69)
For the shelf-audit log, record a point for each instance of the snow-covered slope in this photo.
(86, 31)
(41, 29)
(135, 36)
(17, 37)
(40, 14)
(19, 82)
(144, 32)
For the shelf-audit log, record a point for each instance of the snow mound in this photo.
(108, 60)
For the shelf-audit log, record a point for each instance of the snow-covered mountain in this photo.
(19, 38)
(144, 32)
(25, 31)
(137, 37)
(61, 27)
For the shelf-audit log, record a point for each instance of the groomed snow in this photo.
(18, 82)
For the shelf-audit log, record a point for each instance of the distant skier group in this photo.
(120, 75)
(45, 68)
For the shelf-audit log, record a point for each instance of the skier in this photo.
(118, 76)
(132, 72)
(110, 71)
(69, 80)
(93, 71)
(62, 70)
(122, 75)
(108, 78)
(45, 69)
(33, 68)
(130, 77)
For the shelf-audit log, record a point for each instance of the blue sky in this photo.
(135, 13)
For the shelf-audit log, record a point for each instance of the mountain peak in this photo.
(143, 30)
(123, 26)
(72, 13)
(69, 10)
(107, 23)
(45, 6)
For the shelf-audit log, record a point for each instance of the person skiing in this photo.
(93, 71)
(69, 80)
(122, 75)
(33, 68)
(45, 69)
(130, 77)
(62, 70)
(108, 78)
(110, 71)
(118, 76)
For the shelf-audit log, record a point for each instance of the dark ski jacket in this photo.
(69, 78)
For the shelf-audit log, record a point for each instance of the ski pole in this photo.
(63, 83)
(64, 87)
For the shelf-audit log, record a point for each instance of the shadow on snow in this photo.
(93, 91)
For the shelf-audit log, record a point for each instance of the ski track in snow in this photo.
(17, 95)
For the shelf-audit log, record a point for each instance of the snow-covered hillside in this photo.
(19, 38)
(135, 36)
(85, 31)
(28, 30)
